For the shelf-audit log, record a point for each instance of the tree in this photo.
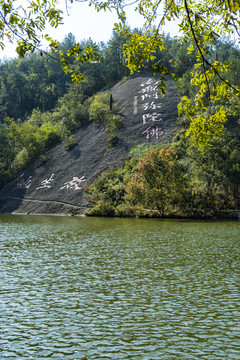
(6, 154)
(159, 182)
(201, 25)
(27, 24)
(113, 59)
(232, 173)
(29, 83)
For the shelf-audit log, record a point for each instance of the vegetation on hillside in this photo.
(201, 25)
(39, 106)
(176, 181)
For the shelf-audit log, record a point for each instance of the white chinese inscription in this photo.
(146, 89)
(152, 117)
(24, 184)
(151, 105)
(149, 95)
(150, 81)
(46, 184)
(153, 132)
(74, 183)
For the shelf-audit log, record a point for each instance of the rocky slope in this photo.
(57, 186)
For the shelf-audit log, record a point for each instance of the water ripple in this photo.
(119, 289)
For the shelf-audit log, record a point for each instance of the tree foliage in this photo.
(201, 25)
(39, 104)
(158, 181)
(27, 24)
(172, 181)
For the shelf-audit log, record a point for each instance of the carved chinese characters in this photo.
(46, 183)
(153, 132)
(24, 184)
(151, 106)
(74, 184)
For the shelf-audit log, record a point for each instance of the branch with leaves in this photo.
(201, 24)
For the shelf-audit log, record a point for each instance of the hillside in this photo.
(57, 186)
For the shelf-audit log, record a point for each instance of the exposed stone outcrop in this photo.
(57, 186)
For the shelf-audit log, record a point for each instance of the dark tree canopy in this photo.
(201, 25)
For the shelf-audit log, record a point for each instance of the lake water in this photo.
(92, 288)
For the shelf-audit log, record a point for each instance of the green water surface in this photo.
(93, 288)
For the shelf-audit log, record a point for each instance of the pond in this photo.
(101, 288)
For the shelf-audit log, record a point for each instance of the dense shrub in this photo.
(101, 110)
(156, 182)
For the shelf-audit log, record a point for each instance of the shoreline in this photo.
(235, 216)
(49, 207)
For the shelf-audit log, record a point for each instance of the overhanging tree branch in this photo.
(205, 61)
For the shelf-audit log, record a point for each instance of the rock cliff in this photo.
(57, 186)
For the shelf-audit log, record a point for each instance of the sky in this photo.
(84, 22)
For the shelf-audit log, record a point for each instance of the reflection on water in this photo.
(81, 288)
